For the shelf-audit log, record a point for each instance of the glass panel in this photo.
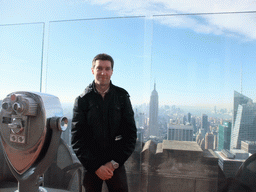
(20, 57)
(194, 63)
(198, 62)
(73, 45)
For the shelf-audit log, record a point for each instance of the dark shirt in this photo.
(103, 106)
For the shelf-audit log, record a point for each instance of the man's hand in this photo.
(110, 166)
(104, 172)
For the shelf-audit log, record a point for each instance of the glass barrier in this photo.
(184, 69)
(197, 65)
(20, 57)
(197, 61)
(73, 45)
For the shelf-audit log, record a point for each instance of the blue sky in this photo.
(195, 59)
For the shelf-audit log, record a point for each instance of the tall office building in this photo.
(189, 117)
(209, 141)
(245, 125)
(180, 132)
(153, 113)
(193, 123)
(141, 122)
(215, 145)
(205, 126)
(224, 136)
(239, 99)
(184, 120)
(139, 119)
(140, 134)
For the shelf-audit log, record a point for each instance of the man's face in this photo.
(102, 72)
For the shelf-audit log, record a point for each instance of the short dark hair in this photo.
(103, 57)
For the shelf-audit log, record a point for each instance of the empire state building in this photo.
(153, 113)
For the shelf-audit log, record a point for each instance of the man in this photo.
(103, 129)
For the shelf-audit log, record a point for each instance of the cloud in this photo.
(190, 13)
(241, 25)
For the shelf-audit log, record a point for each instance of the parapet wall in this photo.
(172, 166)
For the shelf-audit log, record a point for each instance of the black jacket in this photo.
(103, 131)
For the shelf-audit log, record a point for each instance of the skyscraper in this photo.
(224, 136)
(189, 117)
(245, 125)
(239, 99)
(193, 123)
(184, 120)
(153, 113)
(204, 126)
(209, 141)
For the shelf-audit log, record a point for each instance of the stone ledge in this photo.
(181, 146)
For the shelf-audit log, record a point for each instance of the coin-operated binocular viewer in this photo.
(30, 127)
